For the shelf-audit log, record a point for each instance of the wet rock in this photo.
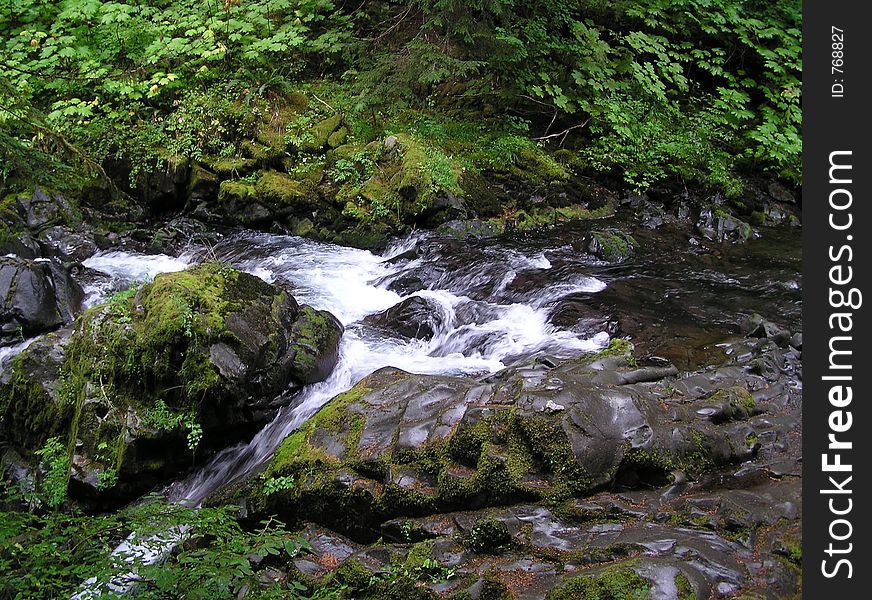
(414, 318)
(716, 224)
(28, 420)
(22, 245)
(43, 209)
(576, 314)
(178, 234)
(406, 284)
(471, 228)
(35, 296)
(202, 353)
(611, 245)
(756, 326)
(433, 443)
(67, 245)
(314, 337)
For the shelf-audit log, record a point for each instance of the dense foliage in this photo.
(648, 89)
(202, 554)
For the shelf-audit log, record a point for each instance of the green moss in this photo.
(617, 347)
(488, 536)
(353, 575)
(419, 556)
(758, 218)
(613, 246)
(338, 137)
(320, 133)
(201, 178)
(684, 587)
(549, 445)
(738, 398)
(262, 154)
(231, 191)
(151, 346)
(232, 166)
(296, 453)
(278, 188)
(492, 588)
(619, 583)
(29, 412)
(312, 331)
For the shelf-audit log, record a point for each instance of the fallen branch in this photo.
(562, 133)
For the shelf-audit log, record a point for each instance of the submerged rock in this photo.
(414, 318)
(138, 382)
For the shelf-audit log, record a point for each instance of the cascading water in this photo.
(492, 304)
(475, 334)
(478, 333)
(352, 284)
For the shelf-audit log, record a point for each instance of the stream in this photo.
(500, 303)
(493, 304)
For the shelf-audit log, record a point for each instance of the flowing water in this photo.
(475, 334)
(495, 303)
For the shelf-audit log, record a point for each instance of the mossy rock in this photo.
(236, 191)
(338, 137)
(611, 245)
(616, 583)
(313, 332)
(403, 444)
(278, 189)
(227, 167)
(34, 403)
(203, 184)
(488, 536)
(318, 136)
(201, 351)
(262, 154)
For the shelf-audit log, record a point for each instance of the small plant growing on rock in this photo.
(57, 463)
(488, 536)
(277, 484)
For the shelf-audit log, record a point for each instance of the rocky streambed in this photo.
(608, 407)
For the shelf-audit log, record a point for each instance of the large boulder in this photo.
(195, 359)
(67, 245)
(35, 296)
(44, 209)
(403, 444)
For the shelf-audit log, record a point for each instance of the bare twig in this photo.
(563, 133)
(551, 124)
(315, 96)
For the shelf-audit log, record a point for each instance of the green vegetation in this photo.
(50, 554)
(617, 583)
(648, 91)
(488, 536)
